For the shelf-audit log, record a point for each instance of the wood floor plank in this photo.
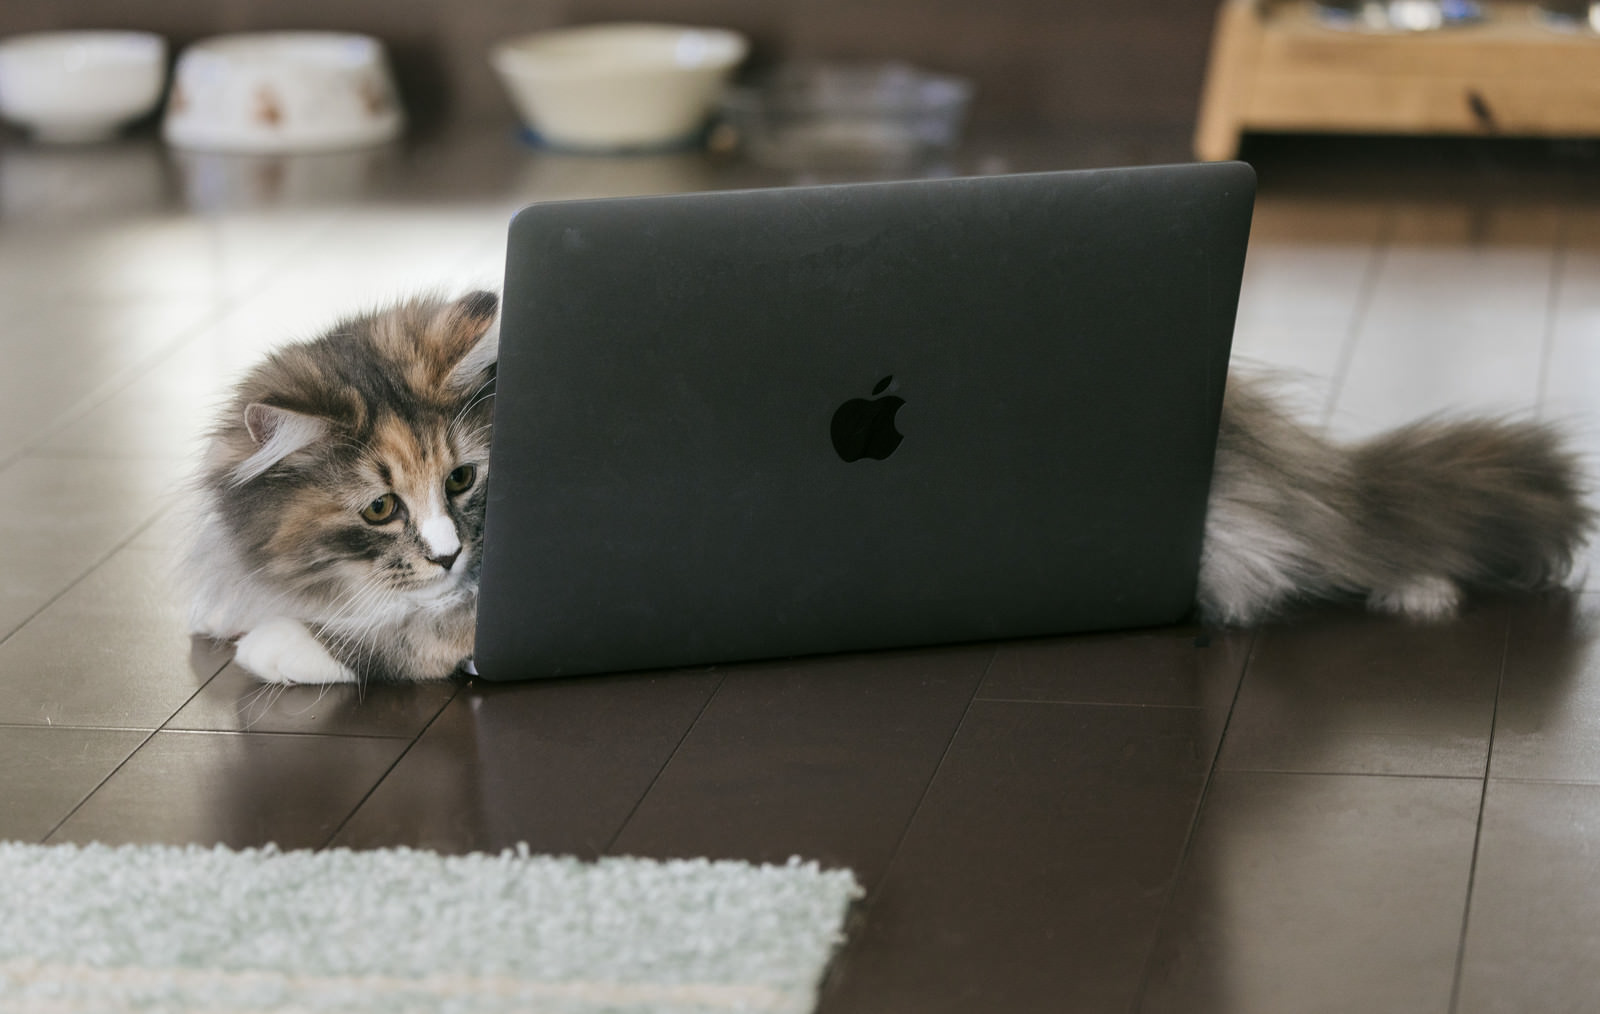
(556, 764)
(61, 355)
(1572, 370)
(1184, 666)
(1319, 894)
(1342, 691)
(60, 516)
(821, 758)
(1547, 726)
(239, 790)
(112, 652)
(1458, 317)
(1034, 875)
(1532, 934)
(46, 772)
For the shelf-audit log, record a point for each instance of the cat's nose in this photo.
(440, 543)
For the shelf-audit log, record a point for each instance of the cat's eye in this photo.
(381, 510)
(461, 480)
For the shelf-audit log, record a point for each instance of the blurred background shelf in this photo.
(1280, 66)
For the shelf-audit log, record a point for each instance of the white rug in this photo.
(150, 928)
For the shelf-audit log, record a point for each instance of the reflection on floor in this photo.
(1337, 813)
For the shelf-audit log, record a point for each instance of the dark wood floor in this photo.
(1335, 813)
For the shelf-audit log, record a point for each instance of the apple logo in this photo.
(864, 428)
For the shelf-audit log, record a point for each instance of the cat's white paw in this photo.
(283, 651)
(1424, 598)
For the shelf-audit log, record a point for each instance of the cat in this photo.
(341, 505)
(340, 502)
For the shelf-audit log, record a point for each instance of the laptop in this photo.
(800, 421)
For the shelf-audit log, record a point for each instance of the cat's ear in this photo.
(474, 339)
(277, 433)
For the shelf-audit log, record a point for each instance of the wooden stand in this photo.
(1276, 67)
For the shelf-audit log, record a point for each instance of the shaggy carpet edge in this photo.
(151, 927)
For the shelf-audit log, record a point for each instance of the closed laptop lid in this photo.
(767, 423)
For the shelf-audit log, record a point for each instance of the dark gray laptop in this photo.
(796, 421)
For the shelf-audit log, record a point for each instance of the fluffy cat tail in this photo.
(1411, 519)
(1484, 504)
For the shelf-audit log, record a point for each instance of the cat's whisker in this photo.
(246, 706)
(476, 436)
(476, 397)
(369, 587)
(461, 416)
(352, 630)
(357, 612)
(255, 705)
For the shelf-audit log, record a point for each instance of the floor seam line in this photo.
(1147, 968)
(611, 843)
(861, 911)
(1088, 704)
(1358, 320)
(944, 755)
(98, 786)
(1477, 833)
(1292, 773)
(1552, 308)
(153, 733)
(123, 543)
(412, 745)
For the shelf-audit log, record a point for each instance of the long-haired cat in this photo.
(342, 502)
(341, 499)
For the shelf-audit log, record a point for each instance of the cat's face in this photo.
(356, 475)
(421, 490)
(399, 511)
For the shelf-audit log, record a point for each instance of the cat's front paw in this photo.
(283, 651)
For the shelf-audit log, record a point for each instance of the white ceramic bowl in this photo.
(271, 92)
(80, 86)
(617, 87)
